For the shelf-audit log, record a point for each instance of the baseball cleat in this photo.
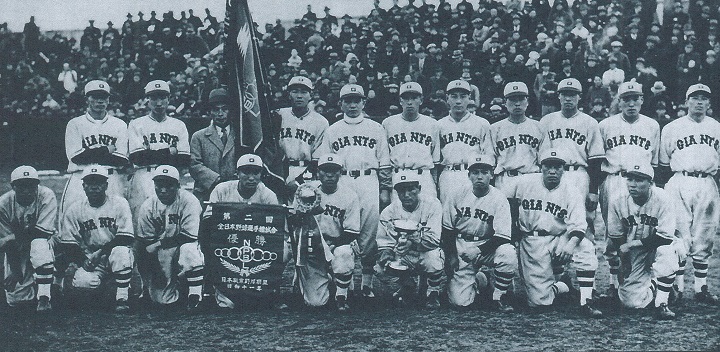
(121, 306)
(433, 300)
(341, 304)
(193, 302)
(501, 305)
(704, 296)
(43, 304)
(589, 310)
(675, 296)
(664, 312)
(367, 292)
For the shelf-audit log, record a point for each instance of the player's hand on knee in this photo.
(591, 202)
(470, 255)
(624, 248)
(385, 257)
(11, 281)
(384, 198)
(153, 248)
(564, 254)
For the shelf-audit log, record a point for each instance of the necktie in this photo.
(223, 138)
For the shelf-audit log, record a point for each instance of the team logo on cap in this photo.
(101, 85)
(329, 158)
(157, 85)
(252, 160)
(165, 171)
(93, 170)
(408, 86)
(403, 178)
(353, 89)
(26, 173)
(637, 167)
(553, 153)
(515, 87)
(569, 83)
(478, 159)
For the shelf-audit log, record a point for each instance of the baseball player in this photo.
(362, 144)
(95, 138)
(413, 139)
(461, 135)
(409, 238)
(630, 139)
(327, 252)
(641, 224)
(154, 139)
(552, 222)
(27, 220)
(302, 132)
(97, 236)
(476, 232)
(167, 240)
(248, 189)
(689, 148)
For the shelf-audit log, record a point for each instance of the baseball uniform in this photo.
(516, 148)
(300, 138)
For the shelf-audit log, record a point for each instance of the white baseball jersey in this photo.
(516, 145)
(554, 211)
(686, 145)
(145, 133)
(181, 218)
(41, 214)
(341, 212)
(301, 136)
(478, 219)
(628, 220)
(428, 214)
(627, 144)
(459, 140)
(360, 141)
(84, 132)
(579, 136)
(413, 144)
(91, 228)
(227, 192)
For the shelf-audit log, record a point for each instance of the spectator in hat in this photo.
(711, 76)
(586, 73)
(598, 110)
(661, 114)
(548, 95)
(658, 93)
(644, 75)
(689, 67)
(622, 59)
(598, 92)
(542, 76)
(613, 76)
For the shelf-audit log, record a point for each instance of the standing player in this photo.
(690, 146)
(168, 231)
(27, 220)
(338, 222)
(413, 139)
(630, 139)
(461, 134)
(97, 235)
(476, 232)
(362, 144)
(551, 220)
(302, 132)
(409, 238)
(641, 224)
(95, 138)
(155, 139)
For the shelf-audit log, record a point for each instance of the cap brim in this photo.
(406, 184)
(478, 165)
(569, 90)
(352, 95)
(626, 94)
(165, 177)
(299, 85)
(552, 159)
(411, 91)
(639, 174)
(330, 164)
(512, 94)
(460, 89)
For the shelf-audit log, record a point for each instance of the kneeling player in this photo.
(322, 239)
(27, 219)
(409, 238)
(476, 232)
(641, 225)
(97, 236)
(169, 224)
(552, 222)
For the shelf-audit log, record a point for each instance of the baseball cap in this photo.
(157, 86)
(481, 159)
(349, 90)
(552, 154)
(24, 173)
(570, 85)
(219, 96)
(250, 160)
(300, 81)
(643, 170)
(330, 159)
(95, 170)
(699, 87)
(405, 177)
(166, 171)
(515, 88)
(413, 87)
(97, 86)
(458, 84)
(629, 88)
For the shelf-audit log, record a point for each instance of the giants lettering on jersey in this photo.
(170, 139)
(358, 141)
(511, 141)
(90, 225)
(300, 134)
(102, 139)
(632, 140)
(704, 139)
(334, 211)
(570, 133)
(552, 208)
(645, 219)
(459, 137)
(467, 212)
(416, 137)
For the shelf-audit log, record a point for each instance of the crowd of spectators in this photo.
(666, 46)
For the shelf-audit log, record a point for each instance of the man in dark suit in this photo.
(212, 149)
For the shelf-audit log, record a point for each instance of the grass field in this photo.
(371, 325)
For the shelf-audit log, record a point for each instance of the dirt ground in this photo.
(369, 326)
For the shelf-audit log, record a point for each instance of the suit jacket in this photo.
(210, 161)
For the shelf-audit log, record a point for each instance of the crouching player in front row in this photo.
(167, 240)
(97, 237)
(641, 225)
(409, 238)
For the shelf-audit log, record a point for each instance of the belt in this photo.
(456, 167)
(698, 174)
(540, 233)
(573, 167)
(357, 173)
(470, 237)
(511, 173)
(419, 171)
(301, 163)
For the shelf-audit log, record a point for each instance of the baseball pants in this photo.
(640, 267)
(403, 267)
(314, 278)
(36, 266)
(367, 188)
(119, 262)
(462, 287)
(162, 271)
